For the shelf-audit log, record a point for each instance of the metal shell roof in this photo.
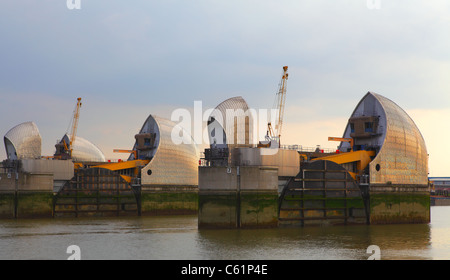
(402, 157)
(171, 164)
(230, 122)
(23, 141)
(85, 151)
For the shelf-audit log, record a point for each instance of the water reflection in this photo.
(346, 242)
(169, 238)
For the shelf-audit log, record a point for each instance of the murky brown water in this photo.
(168, 238)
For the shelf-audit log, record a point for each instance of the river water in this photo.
(178, 238)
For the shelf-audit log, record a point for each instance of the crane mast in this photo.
(275, 133)
(281, 101)
(76, 116)
(64, 147)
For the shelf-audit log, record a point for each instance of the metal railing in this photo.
(300, 148)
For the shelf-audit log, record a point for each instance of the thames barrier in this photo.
(377, 175)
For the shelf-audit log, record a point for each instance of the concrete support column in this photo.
(238, 197)
(399, 204)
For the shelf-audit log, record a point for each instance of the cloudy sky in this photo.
(129, 59)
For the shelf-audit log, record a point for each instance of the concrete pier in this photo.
(168, 200)
(245, 193)
(399, 204)
(238, 197)
(26, 196)
(27, 187)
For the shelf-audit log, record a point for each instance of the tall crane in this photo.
(64, 149)
(274, 133)
(73, 133)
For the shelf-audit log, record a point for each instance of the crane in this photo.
(64, 149)
(350, 140)
(274, 133)
(134, 152)
(76, 116)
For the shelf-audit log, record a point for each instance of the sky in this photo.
(130, 59)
